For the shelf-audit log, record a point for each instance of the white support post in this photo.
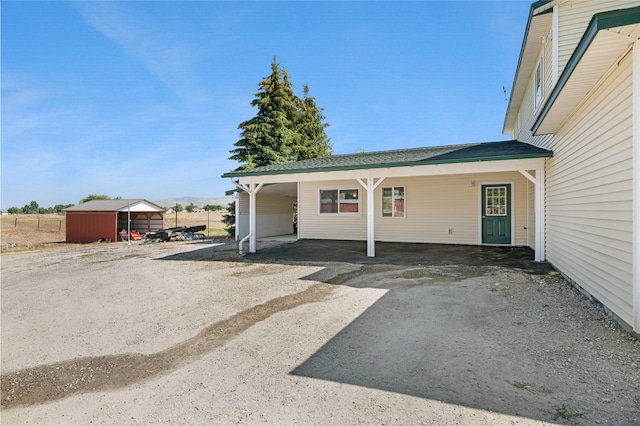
(636, 185)
(251, 189)
(539, 207)
(370, 187)
(252, 215)
(236, 198)
(539, 204)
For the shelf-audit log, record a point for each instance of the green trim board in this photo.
(534, 6)
(599, 22)
(465, 153)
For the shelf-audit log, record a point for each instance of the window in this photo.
(339, 201)
(496, 201)
(393, 201)
(537, 83)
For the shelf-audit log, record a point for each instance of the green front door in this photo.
(496, 214)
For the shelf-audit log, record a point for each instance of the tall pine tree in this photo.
(286, 128)
(313, 142)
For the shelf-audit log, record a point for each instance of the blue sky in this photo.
(143, 99)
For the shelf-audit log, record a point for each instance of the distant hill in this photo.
(200, 202)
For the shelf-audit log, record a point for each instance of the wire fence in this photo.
(33, 222)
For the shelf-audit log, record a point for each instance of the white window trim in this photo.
(393, 214)
(340, 188)
(537, 100)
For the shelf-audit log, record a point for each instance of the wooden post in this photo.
(208, 230)
(38, 223)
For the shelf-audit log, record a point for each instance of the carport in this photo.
(101, 219)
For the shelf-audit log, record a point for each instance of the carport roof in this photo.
(116, 205)
(487, 151)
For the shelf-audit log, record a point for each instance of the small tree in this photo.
(229, 219)
(178, 207)
(191, 207)
(59, 208)
(91, 197)
(31, 208)
(14, 210)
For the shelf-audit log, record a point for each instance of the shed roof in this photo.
(139, 205)
(487, 151)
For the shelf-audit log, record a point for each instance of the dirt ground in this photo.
(25, 232)
(192, 333)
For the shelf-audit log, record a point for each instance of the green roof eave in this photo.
(386, 165)
(600, 21)
(534, 6)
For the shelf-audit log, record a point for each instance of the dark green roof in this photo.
(488, 151)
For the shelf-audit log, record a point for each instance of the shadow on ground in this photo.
(458, 324)
(446, 336)
(319, 251)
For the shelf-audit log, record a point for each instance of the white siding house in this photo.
(588, 117)
(567, 184)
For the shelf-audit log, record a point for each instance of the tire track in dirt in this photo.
(52, 382)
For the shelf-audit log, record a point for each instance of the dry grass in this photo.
(33, 232)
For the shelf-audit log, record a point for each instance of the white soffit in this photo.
(540, 26)
(603, 53)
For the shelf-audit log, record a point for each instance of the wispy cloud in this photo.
(144, 41)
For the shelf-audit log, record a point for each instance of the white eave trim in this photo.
(530, 53)
(601, 48)
(405, 171)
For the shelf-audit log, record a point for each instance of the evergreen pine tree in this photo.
(269, 137)
(310, 125)
(286, 128)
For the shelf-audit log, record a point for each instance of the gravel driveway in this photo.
(191, 333)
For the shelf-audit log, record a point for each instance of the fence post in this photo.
(15, 224)
(38, 223)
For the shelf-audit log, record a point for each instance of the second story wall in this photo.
(571, 19)
(574, 17)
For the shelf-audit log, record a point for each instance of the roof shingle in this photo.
(487, 151)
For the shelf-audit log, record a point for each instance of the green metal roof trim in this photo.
(488, 151)
(600, 21)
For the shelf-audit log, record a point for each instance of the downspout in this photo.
(242, 241)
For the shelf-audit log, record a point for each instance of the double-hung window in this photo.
(339, 201)
(393, 201)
